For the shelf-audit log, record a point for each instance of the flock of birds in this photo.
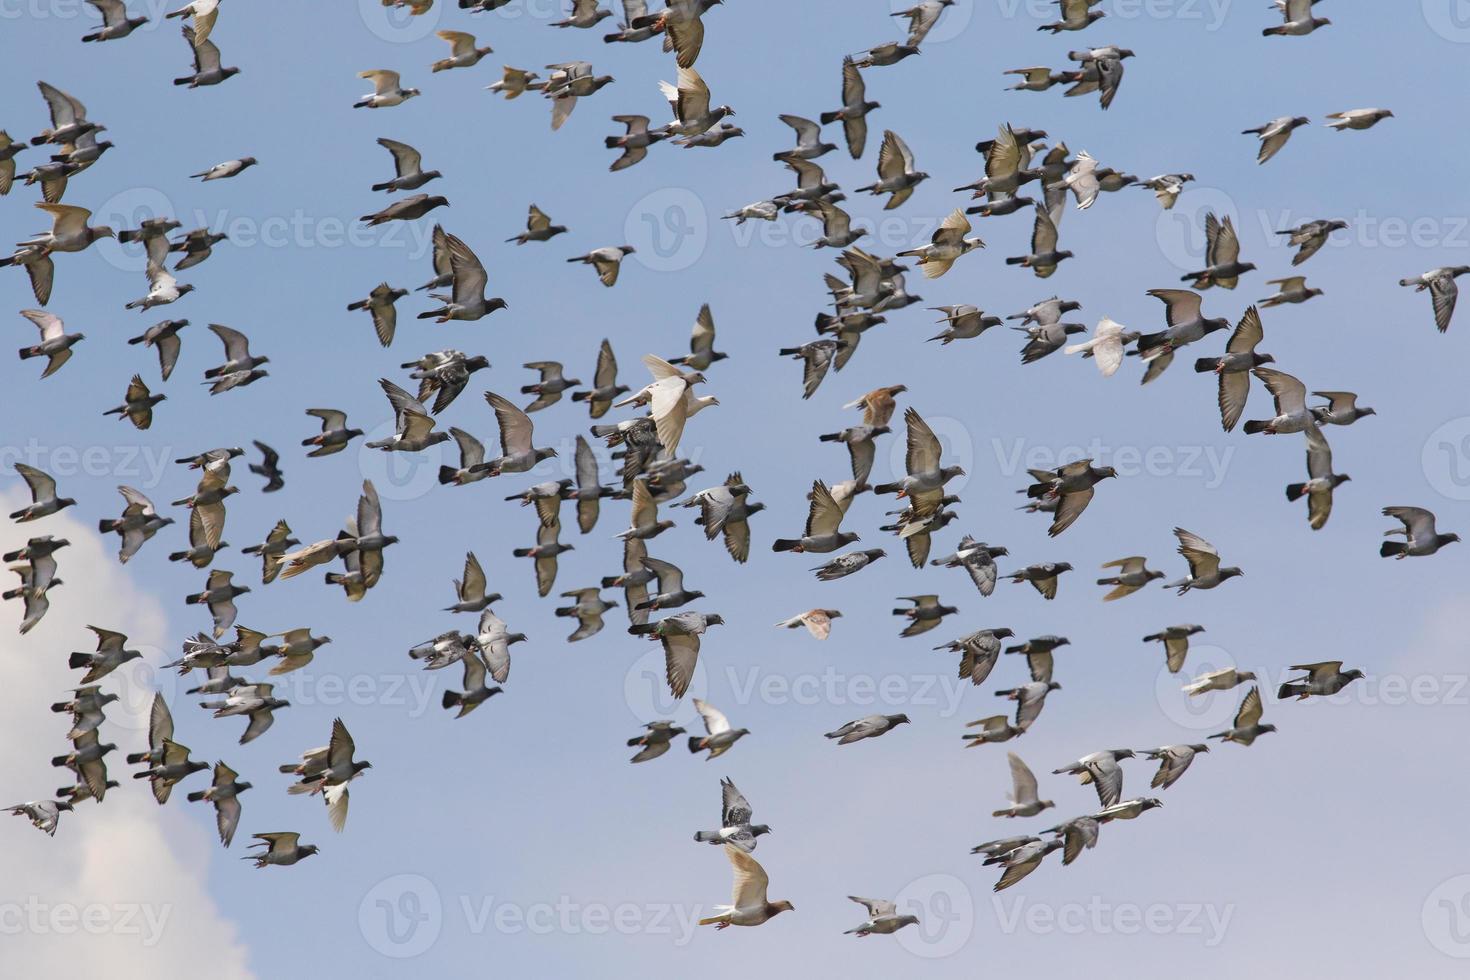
(650, 426)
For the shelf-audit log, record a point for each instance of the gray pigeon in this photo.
(870, 726)
(1173, 760)
(1442, 291)
(1322, 680)
(1247, 726)
(1420, 536)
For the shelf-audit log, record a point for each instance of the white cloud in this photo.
(120, 891)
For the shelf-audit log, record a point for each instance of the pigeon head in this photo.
(1150, 804)
(186, 288)
(1250, 267)
(1002, 632)
(542, 454)
(629, 250)
(1259, 359)
(899, 719)
(1261, 730)
(950, 472)
(1063, 566)
(248, 162)
(1215, 323)
(1125, 53)
(1123, 754)
(491, 305)
(1447, 538)
(1299, 121)
(756, 829)
(103, 231)
(714, 619)
(776, 908)
(306, 850)
(754, 508)
(437, 201)
(847, 537)
(1200, 747)
(1352, 675)
(1230, 572)
(1053, 686)
(1103, 472)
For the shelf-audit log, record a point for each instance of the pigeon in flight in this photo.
(1022, 861)
(1274, 134)
(1309, 238)
(387, 92)
(1176, 643)
(1322, 680)
(1442, 291)
(1167, 187)
(720, 737)
(1024, 802)
(587, 610)
(1173, 760)
(1133, 574)
(56, 344)
(854, 111)
(44, 501)
(1205, 571)
(1419, 533)
(655, 740)
(1223, 267)
(1042, 576)
(883, 916)
(229, 168)
(749, 905)
(1234, 367)
(947, 245)
(607, 261)
(679, 635)
(1341, 409)
(896, 174)
(925, 614)
(1218, 680)
(1321, 481)
(1290, 397)
(870, 726)
(1297, 19)
(281, 850)
(1246, 727)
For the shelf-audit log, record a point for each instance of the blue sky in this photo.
(529, 805)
